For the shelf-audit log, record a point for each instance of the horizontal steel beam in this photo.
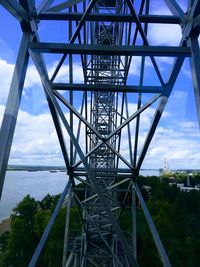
(119, 170)
(123, 50)
(15, 9)
(107, 87)
(125, 246)
(67, 16)
(107, 176)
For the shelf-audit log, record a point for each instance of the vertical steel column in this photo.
(67, 226)
(71, 92)
(38, 63)
(84, 242)
(195, 68)
(134, 223)
(12, 106)
(103, 133)
(105, 69)
(140, 94)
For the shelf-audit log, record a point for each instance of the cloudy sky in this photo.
(35, 142)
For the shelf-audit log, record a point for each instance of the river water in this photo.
(37, 184)
(21, 183)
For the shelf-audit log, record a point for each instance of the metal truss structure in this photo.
(106, 36)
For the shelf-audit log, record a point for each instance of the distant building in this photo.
(186, 188)
(180, 185)
(189, 189)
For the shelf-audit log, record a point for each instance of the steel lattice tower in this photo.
(104, 35)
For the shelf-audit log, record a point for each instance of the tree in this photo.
(28, 222)
(48, 202)
(52, 253)
(21, 240)
(176, 215)
(3, 249)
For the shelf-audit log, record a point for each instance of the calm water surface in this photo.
(38, 184)
(21, 183)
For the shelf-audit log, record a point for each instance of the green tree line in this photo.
(28, 222)
(176, 215)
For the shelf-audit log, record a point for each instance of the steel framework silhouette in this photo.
(106, 36)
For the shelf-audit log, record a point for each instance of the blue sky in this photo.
(35, 142)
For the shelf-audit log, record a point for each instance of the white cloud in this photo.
(2, 108)
(178, 140)
(63, 74)
(135, 66)
(180, 144)
(5, 51)
(35, 141)
(187, 72)
(32, 77)
(165, 60)
(164, 34)
(161, 8)
(6, 72)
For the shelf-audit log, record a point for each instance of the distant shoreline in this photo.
(35, 168)
(63, 168)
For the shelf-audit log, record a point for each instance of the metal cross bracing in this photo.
(103, 35)
(103, 70)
